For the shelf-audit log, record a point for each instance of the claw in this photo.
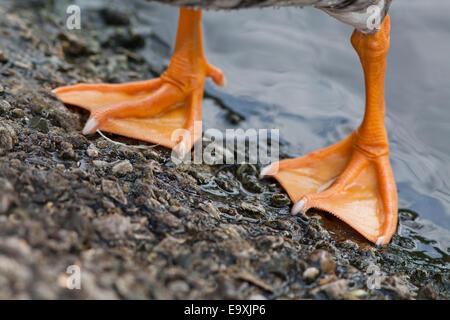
(180, 150)
(381, 241)
(90, 127)
(299, 207)
(267, 171)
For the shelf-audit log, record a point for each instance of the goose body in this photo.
(365, 15)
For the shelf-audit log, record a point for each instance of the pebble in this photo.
(40, 124)
(311, 274)
(122, 168)
(112, 189)
(334, 290)
(7, 198)
(102, 144)
(170, 220)
(22, 65)
(4, 106)
(92, 151)
(113, 227)
(324, 258)
(3, 57)
(179, 286)
(209, 207)
(279, 199)
(257, 296)
(18, 113)
(357, 294)
(100, 164)
(257, 209)
(67, 151)
(107, 204)
(72, 45)
(8, 136)
(427, 292)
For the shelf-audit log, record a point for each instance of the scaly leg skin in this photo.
(164, 110)
(352, 179)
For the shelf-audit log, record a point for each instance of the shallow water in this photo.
(295, 70)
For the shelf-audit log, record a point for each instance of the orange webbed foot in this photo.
(356, 187)
(166, 110)
(352, 179)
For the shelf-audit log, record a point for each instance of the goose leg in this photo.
(352, 179)
(154, 110)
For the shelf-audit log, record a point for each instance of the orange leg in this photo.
(352, 179)
(154, 110)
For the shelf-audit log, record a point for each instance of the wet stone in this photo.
(126, 38)
(100, 164)
(113, 227)
(334, 290)
(170, 220)
(325, 260)
(8, 136)
(3, 57)
(92, 151)
(5, 106)
(269, 242)
(279, 199)
(357, 294)
(311, 274)
(179, 286)
(76, 221)
(227, 183)
(67, 152)
(397, 286)
(112, 189)
(74, 46)
(7, 196)
(40, 124)
(252, 184)
(257, 297)
(252, 208)
(122, 168)
(102, 144)
(18, 113)
(209, 207)
(107, 204)
(427, 292)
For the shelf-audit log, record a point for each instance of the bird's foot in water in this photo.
(166, 110)
(346, 179)
(351, 179)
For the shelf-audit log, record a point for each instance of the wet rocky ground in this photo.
(140, 226)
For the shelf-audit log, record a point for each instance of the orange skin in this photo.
(153, 110)
(352, 179)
